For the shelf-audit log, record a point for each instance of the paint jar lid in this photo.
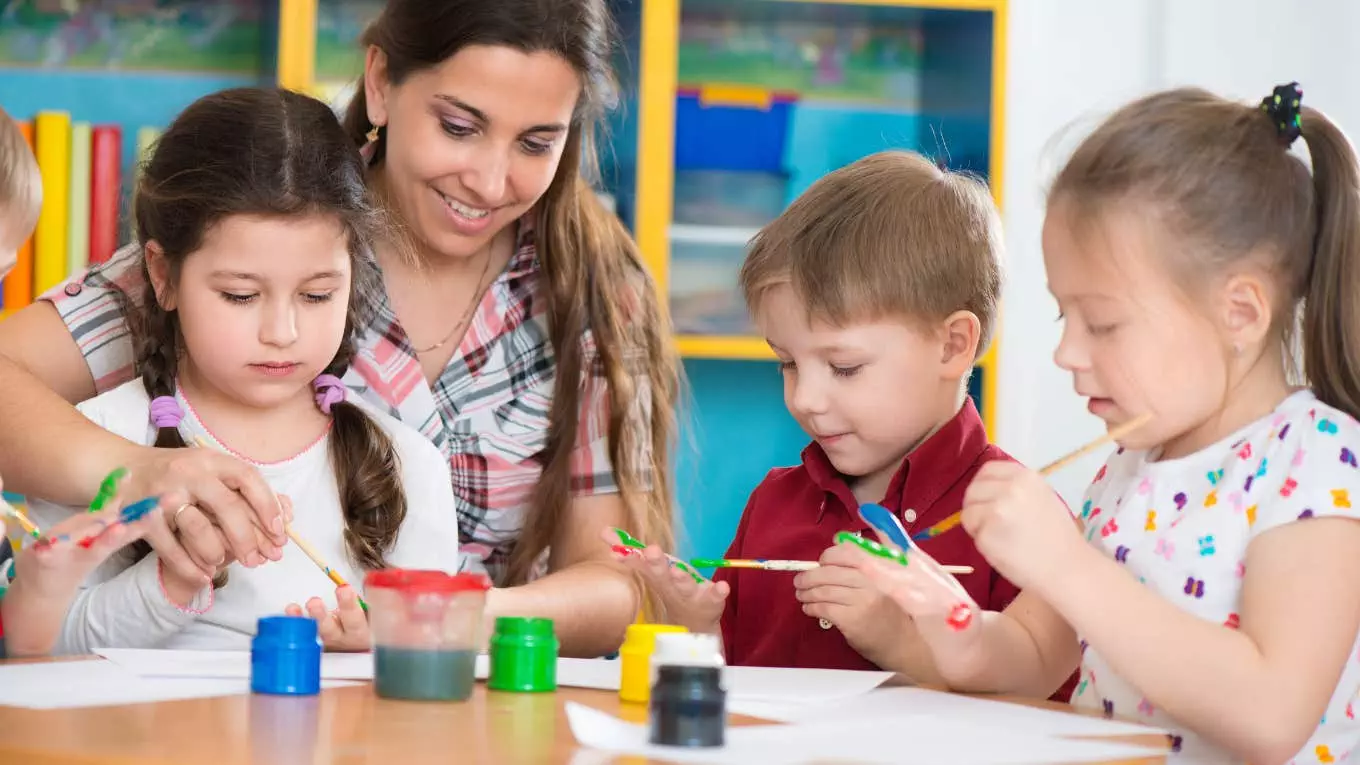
(642, 637)
(279, 631)
(524, 627)
(687, 649)
(421, 582)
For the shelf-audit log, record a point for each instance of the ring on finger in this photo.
(174, 518)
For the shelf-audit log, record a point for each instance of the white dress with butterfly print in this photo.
(1182, 527)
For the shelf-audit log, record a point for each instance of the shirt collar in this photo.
(924, 476)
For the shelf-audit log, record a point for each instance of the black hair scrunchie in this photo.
(1284, 108)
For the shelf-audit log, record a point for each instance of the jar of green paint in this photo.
(426, 628)
(523, 655)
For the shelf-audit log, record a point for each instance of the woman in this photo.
(518, 330)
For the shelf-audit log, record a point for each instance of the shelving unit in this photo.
(782, 91)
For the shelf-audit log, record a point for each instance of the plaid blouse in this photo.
(488, 411)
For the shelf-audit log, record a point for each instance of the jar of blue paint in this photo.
(285, 657)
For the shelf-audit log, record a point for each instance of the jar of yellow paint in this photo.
(635, 673)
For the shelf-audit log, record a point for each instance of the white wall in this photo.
(1070, 62)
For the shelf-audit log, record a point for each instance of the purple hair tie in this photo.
(329, 392)
(166, 412)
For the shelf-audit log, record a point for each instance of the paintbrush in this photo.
(302, 544)
(19, 516)
(1113, 434)
(785, 565)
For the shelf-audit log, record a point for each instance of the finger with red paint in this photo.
(47, 575)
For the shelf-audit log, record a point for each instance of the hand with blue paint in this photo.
(48, 573)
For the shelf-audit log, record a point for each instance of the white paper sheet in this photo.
(95, 683)
(888, 704)
(766, 684)
(149, 662)
(927, 740)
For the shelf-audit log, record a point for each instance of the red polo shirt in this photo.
(794, 514)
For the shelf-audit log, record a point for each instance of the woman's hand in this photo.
(229, 512)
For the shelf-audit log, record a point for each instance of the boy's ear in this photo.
(960, 332)
(158, 268)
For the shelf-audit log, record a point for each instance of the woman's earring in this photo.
(368, 149)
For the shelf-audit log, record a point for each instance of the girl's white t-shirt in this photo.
(1182, 527)
(124, 606)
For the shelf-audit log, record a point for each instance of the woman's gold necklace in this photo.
(467, 313)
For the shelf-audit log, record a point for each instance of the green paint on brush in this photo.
(871, 547)
(709, 563)
(107, 488)
(628, 540)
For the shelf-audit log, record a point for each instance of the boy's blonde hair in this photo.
(890, 235)
(20, 183)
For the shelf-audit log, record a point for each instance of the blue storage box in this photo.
(730, 137)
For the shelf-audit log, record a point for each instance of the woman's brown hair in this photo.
(592, 272)
(1220, 177)
(269, 153)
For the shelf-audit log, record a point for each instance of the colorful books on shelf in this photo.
(82, 176)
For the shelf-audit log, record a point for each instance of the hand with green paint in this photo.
(916, 584)
(688, 599)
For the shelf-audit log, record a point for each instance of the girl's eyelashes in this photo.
(237, 298)
(850, 371)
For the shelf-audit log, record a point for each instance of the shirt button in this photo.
(72, 289)
(824, 624)
(909, 516)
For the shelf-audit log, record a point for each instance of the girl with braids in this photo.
(253, 221)
(1213, 576)
(515, 326)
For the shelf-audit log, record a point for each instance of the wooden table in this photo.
(343, 725)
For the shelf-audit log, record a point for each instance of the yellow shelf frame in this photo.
(297, 45)
(659, 72)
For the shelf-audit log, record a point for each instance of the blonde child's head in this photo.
(20, 191)
(877, 289)
(1184, 241)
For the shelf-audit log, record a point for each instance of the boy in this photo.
(877, 290)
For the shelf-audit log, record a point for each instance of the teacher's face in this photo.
(472, 143)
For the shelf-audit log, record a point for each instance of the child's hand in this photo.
(839, 592)
(345, 628)
(696, 606)
(1019, 524)
(48, 573)
(56, 569)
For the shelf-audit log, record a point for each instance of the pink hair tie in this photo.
(166, 412)
(329, 392)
